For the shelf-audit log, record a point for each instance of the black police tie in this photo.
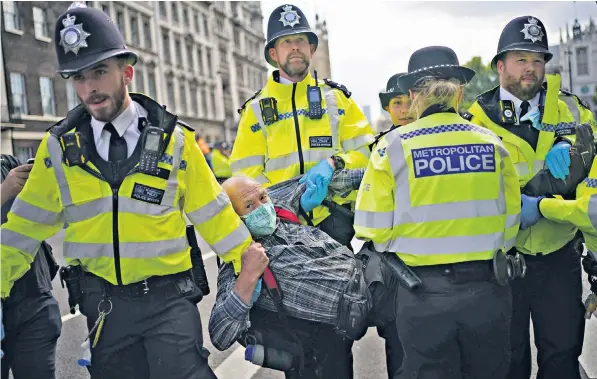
(118, 150)
(524, 108)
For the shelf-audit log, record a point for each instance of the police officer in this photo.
(121, 170)
(537, 127)
(31, 314)
(220, 158)
(397, 103)
(296, 125)
(442, 194)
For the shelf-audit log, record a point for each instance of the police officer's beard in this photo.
(298, 73)
(110, 113)
(514, 86)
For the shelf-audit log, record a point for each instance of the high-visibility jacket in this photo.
(439, 190)
(581, 212)
(220, 164)
(130, 232)
(281, 150)
(557, 123)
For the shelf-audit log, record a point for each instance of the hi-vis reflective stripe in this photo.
(257, 112)
(332, 111)
(33, 213)
(127, 249)
(592, 211)
(178, 150)
(209, 210)
(76, 213)
(261, 179)
(522, 168)
(253, 160)
(232, 240)
(405, 213)
(19, 241)
(357, 142)
(56, 158)
(572, 107)
(286, 161)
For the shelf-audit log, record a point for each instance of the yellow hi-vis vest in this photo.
(220, 164)
(293, 144)
(127, 234)
(546, 236)
(439, 190)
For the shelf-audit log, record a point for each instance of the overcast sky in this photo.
(371, 40)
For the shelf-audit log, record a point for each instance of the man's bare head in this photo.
(245, 194)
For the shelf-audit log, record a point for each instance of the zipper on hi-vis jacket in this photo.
(115, 239)
(298, 131)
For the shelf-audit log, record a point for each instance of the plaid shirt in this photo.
(311, 268)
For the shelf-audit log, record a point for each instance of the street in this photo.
(368, 352)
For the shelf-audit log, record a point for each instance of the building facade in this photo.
(201, 59)
(321, 58)
(575, 58)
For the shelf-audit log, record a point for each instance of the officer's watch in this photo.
(338, 162)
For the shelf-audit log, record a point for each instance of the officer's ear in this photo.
(312, 49)
(387, 108)
(411, 94)
(273, 54)
(129, 73)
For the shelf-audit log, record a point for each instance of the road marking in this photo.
(235, 366)
(68, 317)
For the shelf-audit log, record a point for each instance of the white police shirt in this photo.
(127, 126)
(505, 95)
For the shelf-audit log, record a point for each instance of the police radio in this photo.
(74, 149)
(314, 100)
(152, 140)
(269, 110)
(507, 112)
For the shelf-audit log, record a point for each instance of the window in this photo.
(12, 21)
(193, 109)
(239, 74)
(71, 95)
(206, 27)
(153, 93)
(139, 85)
(170, 85)
(182, 95)
(147, 33)
(223, 54)
(204, 103)
(208, 56)
(48, 104)
(174, 13)
(135, 31)
(178, 52)
(166, 45)
(190, 56)
(197, 25)
(582, 61)
(185, 16)
(162, 9)
(19, 95)
(40, 22)
(236, 38)
(120, 21)
(199, 60)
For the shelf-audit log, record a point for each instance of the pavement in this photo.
(368, 352)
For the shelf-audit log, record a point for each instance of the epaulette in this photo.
(341, 87)
(580, 101)
(467, 116)
(185, 125)
(379, 136)
(242, 107)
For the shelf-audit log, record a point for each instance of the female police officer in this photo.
(443, 195)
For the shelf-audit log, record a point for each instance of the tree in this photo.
(484, 80)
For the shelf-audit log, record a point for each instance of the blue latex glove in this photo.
(530, 214)
(558, 160)
(256, 292)
(314, 195)
(322, 170)
(533, 115)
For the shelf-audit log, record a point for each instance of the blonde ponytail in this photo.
(433, 91)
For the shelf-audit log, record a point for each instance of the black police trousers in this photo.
(550, 294)
(153, 335)
(456, 325)
(394, 351)
(32, 328)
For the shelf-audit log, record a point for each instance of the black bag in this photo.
(354, 307)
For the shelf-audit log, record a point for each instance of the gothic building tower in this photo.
(321, 58)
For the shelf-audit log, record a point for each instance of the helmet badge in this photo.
(532, 30)
(72, 37)
(289, 17)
